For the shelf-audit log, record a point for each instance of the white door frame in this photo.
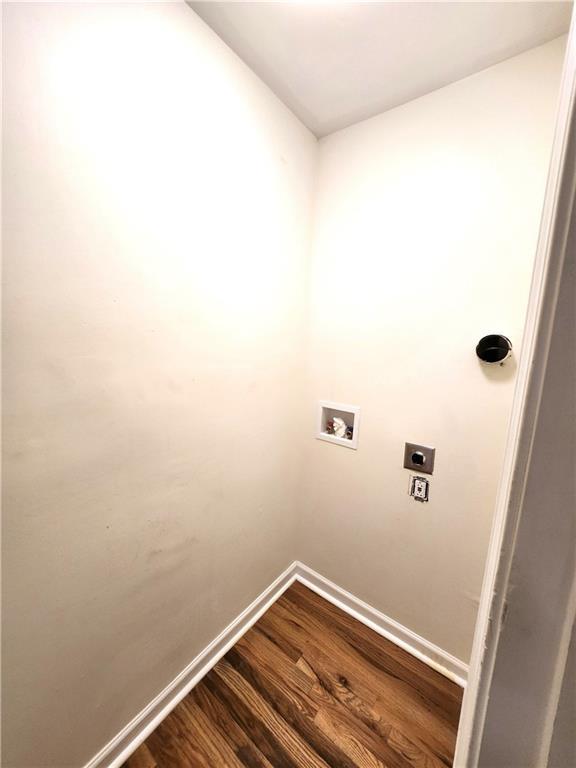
(557, 211)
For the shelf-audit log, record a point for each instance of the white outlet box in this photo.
(419, 487)
(350, 415)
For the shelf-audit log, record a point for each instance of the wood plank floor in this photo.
(311, 687)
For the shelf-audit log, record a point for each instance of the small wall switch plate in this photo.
(419, 458)
(419, 488)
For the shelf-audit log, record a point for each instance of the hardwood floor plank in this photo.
(348, 741)
(402, 700)
(399, 706)
(172, 744)
(267, 627)
(311, 697)
(142, 758)
(207, 736)
(310, 687)
(257, 665)
(300, 752)
(244, 748)
(268, 655)
(266, 741)
(293, 705)
(384, 654)
(358, 696)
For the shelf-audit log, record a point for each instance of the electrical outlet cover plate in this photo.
(419, 458)
(419, 488)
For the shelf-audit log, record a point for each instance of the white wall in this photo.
(156, 212)
(426, 225)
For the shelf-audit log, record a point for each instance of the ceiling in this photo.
(335, 63)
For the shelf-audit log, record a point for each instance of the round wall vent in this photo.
(494, 348)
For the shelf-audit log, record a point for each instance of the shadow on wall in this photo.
(499, 372)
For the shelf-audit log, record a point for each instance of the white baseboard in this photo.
(431, 654)
(129, 739)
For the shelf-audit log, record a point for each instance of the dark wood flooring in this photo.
(309, 686)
